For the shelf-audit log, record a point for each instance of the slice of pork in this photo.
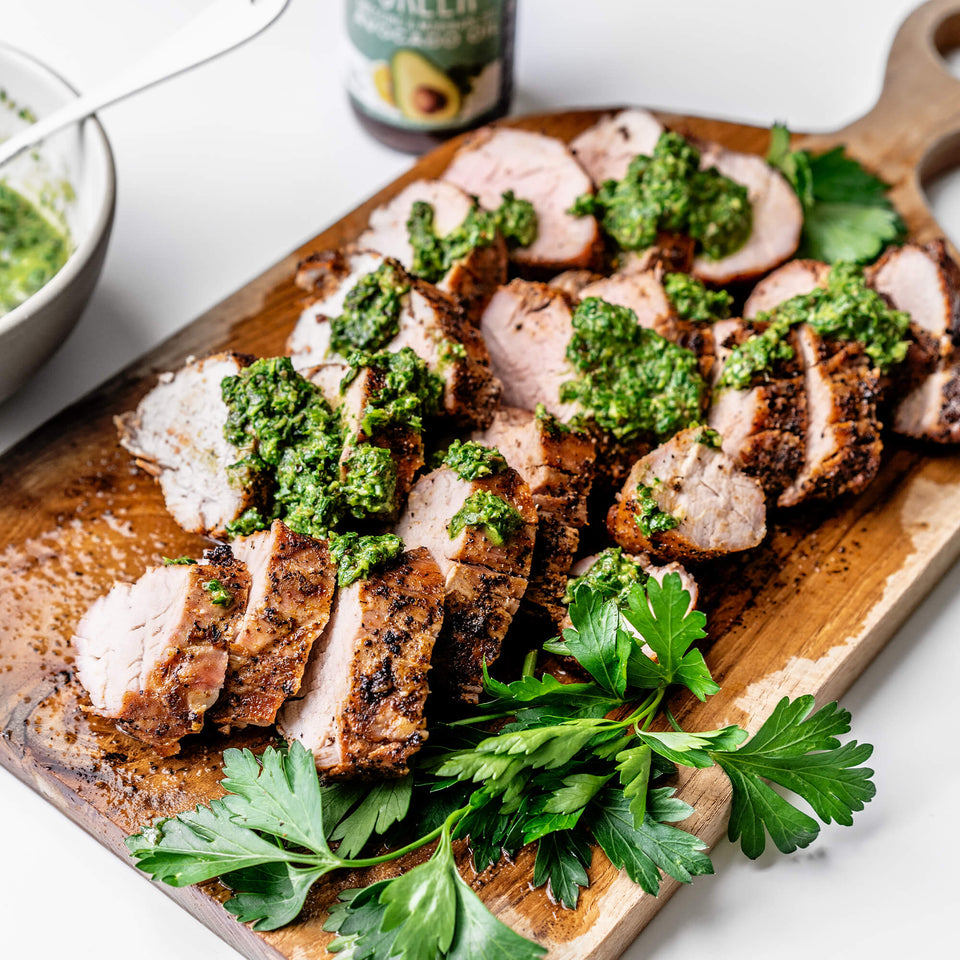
(931, 411)
(571, 282)
(720, 508)
(527, 327)
(483, 581)
(553, 555)
(364, 690)
(843, 445)
(430, 324)
(539, 169)
(470, 280)
(793, 279)
(763, 427)
(176, 435)
(606, 149)
(292, 580)
(557, 464)
(152, 655)
(925, 282)
(777, 219)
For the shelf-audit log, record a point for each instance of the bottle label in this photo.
(425, 64)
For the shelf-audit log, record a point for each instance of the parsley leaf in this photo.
(661, 614)
(427, 913)
(641, 851)
(272, 894)
(801, 753)
(561, 863)
(383, 804)
(846, 213)
(596, 641)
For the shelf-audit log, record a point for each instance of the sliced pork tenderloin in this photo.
(527, 327)
(470, 280)
(924, 281)
(152, 655)
(429, 323)
(556, 462)
(843, 445)
(606, 149)
(931, 411)
(571, 282)
(712, 506)
(777, 219)
(176, 435)
(483, 580)
(793, 279)
(553, 555)
(539, 169)
(763, 427)
(362, 698)
(292, 580)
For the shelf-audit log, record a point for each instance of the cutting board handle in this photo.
(914, 128)
(913, 132)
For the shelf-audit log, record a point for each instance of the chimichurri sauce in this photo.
(32, 249)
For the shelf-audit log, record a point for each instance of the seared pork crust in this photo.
(763, 427)
(366, 682)
(720, 508)
(292, 585)
(152, 655)
(843, 445)
(553, 555)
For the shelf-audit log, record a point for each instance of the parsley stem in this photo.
(454, 818)
(529, 663)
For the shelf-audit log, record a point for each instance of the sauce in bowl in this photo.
(32, 248)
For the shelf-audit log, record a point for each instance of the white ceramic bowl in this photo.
(80, 157)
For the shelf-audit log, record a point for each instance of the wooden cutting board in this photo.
(802, 614)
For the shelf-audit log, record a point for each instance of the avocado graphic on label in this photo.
(383, 81)
(422, 91)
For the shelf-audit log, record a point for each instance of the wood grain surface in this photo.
(802, 614)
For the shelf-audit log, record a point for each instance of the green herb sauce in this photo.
(611, 575)
(370, 481)
(846, 309)
(434, 255)
(632, 382)
(709, 438)
(693, 301)
(219, 595)
(371, 312)
(32, 249)
(550, 425)
(668, 191)
(651, 519)
(358, 556)
(499, 519)
(178, 562)
(409, 393)
(472, 460)
(451, 352)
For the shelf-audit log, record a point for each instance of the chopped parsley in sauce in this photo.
(693, 301)
(406, 391)
(709, 438)
(669, 192)
(371, 312)
(32, 249)
(434, 255)
(650, 518)
(499, 519)
(219, 595)
(631, 381)
(472, 460)
(369, 484)
(845, 309)
(358, 556)
(611, 574)
(179, 562)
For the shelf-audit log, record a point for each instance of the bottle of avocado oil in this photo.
(419, 71)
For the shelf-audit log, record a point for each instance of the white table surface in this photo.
(225, 170)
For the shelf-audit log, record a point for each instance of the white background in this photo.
(224, 171)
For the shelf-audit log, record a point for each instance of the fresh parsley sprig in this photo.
(846, 212)
(575, 766)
